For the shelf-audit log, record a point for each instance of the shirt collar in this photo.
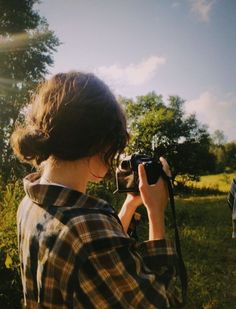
(54, 195)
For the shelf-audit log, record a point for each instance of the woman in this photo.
(74, 250)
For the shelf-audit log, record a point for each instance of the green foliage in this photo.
(180, 138)
(10, 284)
(26, 48)
(217, 184)
(230, 156)
(102, 190)
(106, 190)
(218, 138)
(220, 181)
(225, 155)
(219, 152)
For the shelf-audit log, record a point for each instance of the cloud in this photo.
(202, 8)
(122, 77)
(216, 113)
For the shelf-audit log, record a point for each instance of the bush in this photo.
(10, 284)
(105, 190)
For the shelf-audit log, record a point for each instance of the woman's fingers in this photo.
(165, 166)
(142, 175)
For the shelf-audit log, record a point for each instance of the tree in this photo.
(230, 157)
(180, 138)
(225, 153)
(26, 49)
(218, 138)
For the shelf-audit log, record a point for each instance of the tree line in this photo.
(165, 129)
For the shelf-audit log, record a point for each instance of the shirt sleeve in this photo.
(158, 253)
(120, 273)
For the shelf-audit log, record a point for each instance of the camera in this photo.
(127, 179)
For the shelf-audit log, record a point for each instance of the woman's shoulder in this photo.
(94, 224)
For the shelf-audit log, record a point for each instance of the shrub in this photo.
(10, 284)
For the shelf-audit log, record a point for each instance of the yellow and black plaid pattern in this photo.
(74, 253)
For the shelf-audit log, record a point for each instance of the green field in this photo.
(219, 182)
(208, 249)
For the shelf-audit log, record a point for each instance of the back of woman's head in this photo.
(71, 116)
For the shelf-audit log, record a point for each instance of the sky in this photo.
(185, 48)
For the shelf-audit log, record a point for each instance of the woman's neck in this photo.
(71, 174)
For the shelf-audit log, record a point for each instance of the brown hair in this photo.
(71, 116)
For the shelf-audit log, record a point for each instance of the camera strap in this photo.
(180, 263)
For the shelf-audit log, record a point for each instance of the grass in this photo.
(208, 249)
(220, 182)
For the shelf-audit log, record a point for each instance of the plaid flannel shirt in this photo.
(74, 253)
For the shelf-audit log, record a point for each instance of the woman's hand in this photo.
(127, 211)
(133, 200)
(155, 198)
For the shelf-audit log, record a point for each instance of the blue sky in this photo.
(186, 47)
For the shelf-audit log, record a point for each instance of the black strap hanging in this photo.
(181, 265)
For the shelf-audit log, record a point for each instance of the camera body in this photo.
(127, 179)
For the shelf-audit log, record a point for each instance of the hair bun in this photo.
(31, 145)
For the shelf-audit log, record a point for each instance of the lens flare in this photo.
(10, 45)
(20, 41)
